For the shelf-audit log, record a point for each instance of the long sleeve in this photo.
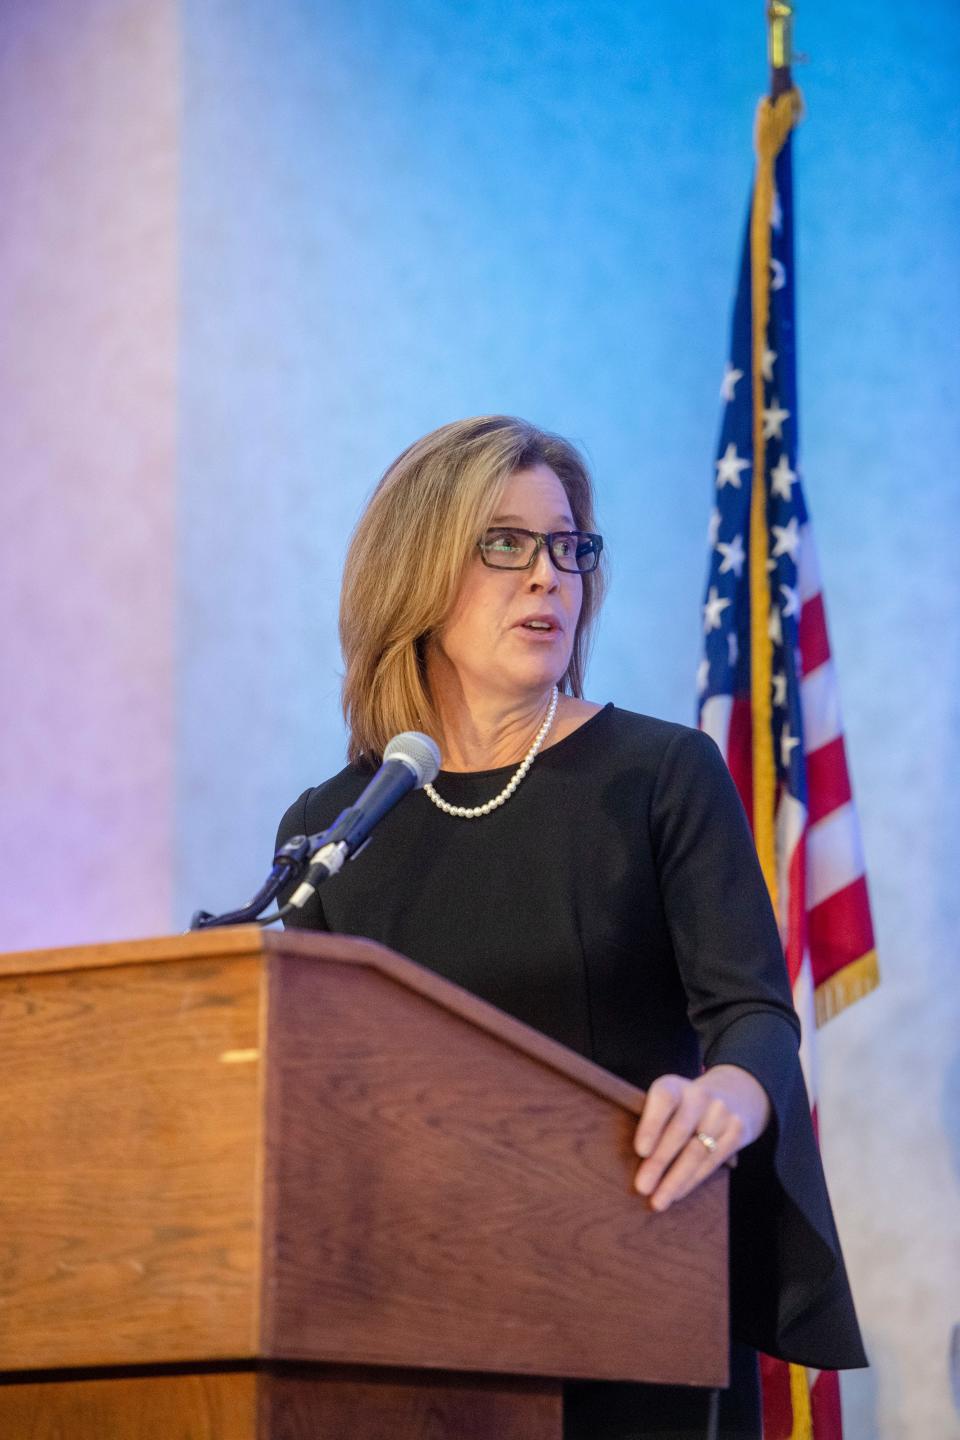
(790, 1295)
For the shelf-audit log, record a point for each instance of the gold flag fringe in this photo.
(800, 1404)
(847, 985)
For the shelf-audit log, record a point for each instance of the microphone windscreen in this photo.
(419, 752)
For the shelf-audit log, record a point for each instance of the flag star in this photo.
(779, 689)
(703, 675)
(788, 538)
(787, 744)
(779, 276)
(776, 212)
(733, 556)
(791, 601)
(733, 648)
(782, 477)
(773, 418)
(775, 629)
(713, 528)
(766, 364)
(729, 466)
(729, 384)
(713, 610)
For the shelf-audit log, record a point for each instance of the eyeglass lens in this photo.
(572, 550)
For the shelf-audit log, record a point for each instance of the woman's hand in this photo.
(725, 1105)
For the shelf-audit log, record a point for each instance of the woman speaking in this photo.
(586, 869)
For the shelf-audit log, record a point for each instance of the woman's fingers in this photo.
(677, 1105)
(675, 1112)
(662, 1099)
(696, 1159)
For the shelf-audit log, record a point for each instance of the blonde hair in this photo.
(407, 557)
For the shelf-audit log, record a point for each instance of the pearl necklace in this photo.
(463, 812)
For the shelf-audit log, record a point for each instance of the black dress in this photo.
(615, 902)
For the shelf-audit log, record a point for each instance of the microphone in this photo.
(410, 761)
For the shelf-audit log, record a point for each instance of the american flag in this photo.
(766, 683)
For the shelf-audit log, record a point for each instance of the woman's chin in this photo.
(547, 671)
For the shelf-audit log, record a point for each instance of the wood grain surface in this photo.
(354, 950)
(436, 1197)
(316, 1403)
(396, 1406)
(164, 1407)
(198, 945)
(129, 1131)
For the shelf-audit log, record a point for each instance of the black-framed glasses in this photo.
(507, 548)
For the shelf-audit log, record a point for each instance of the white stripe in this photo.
(820, 706)
(803, 1003)
(715, 720)
(808, 566)
(834, 854)
(791, 819)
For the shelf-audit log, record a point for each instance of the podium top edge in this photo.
(251, 942)
(194, 945)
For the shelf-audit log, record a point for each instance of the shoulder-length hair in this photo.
(408, 554)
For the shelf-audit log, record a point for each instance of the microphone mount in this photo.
(410, 761)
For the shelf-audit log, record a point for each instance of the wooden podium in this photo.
(258, 1185)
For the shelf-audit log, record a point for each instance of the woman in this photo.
(586, 869)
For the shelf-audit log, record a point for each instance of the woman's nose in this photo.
(543, 572)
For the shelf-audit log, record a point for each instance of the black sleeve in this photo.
(294, 822)
(790, 1296)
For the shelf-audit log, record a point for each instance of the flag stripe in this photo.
(840, 930)
(805, 1005)
(791, 823)
(808, 566)
(814, 641)
(828, 779)
(740, 751)
(820, 705)
(715, 719)
(834, 856)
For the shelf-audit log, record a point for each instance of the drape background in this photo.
(249, 249)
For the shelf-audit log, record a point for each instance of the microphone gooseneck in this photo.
(410, 761)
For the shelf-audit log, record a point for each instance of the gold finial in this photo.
(780, 26)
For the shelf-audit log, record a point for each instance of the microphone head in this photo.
(417, 751)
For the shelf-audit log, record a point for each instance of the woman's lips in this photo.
(549, 630)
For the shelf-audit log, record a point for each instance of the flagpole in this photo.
(780, 46)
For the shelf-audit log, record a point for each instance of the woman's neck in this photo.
(489, 731)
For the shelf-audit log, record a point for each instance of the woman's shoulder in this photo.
(632, 733)
(320, 805)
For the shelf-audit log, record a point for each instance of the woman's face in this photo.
(487, 639)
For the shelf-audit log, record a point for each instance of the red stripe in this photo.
(796, 911)
(777, 1405)
(828, 780)
(814, 640)
(825, 1409)
(840, 930)
(740, 752)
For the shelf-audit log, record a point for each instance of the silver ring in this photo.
(707, 1141)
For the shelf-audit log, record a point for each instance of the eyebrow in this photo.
(518, 520)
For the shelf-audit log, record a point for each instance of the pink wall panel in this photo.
(88, 162)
